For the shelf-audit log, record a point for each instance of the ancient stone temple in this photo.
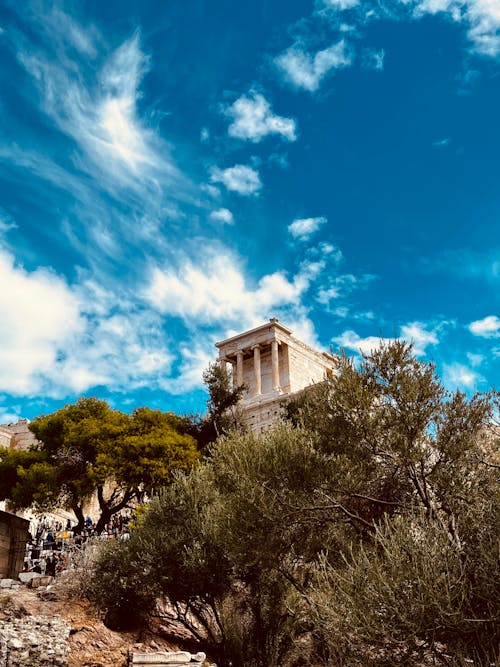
(272, 364)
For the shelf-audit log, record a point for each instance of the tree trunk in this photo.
(79, 517)
(107, 510)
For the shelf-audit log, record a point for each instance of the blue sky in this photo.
(174, 173)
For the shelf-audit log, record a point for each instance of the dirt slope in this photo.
(91, 643)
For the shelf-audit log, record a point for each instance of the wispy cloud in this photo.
(115, 165)
(373, 59)
(101, 115)
(341, 285)
(6, 416)
(459, 376)
(341, 4)
(482, 18)
(463, 263)
(304, 228)
(479, 18)
(305, 70)
(440, 143)
(7, 222)
(241, 179)
(488, 327)
(253, 120)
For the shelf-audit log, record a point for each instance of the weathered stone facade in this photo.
(17, 435)
(272, 364)
(5, 437)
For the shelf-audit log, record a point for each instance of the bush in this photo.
(409, 596)
(120, 586)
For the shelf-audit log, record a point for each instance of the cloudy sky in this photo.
(174, 173)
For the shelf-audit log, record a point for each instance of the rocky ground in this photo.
(47, 628)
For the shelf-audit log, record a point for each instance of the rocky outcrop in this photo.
(34, 641)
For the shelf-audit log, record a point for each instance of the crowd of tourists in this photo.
(51, 541)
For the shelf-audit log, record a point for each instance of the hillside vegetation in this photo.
(362, 531)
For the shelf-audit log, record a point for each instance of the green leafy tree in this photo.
(223, 411)
(15, 467)
(148, 451)
(87, 448)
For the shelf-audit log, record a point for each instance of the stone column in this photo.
(275, 365)
(239, 368)
(256, 369)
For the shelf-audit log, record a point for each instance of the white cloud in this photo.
(253, 120)
(326, 294)
(303, 228)
(341, 4)
(195, 358)
(340, 285)
(351, 341)
(211, 190)
(223, 215)
(215, 290)
(39, 314)
(482, 18)
(416, 333)
(7, 417)
(488, 327)
(241, 179)
(307, 71)
(458, 376)
(57, 339)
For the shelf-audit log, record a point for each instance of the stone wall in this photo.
(13, 536)
(18, 432)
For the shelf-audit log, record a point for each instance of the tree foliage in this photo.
(223, 412)
(88, 448)
(363, 532)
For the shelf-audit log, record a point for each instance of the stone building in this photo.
(272, 364)
(5, 436)
(17, 435)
